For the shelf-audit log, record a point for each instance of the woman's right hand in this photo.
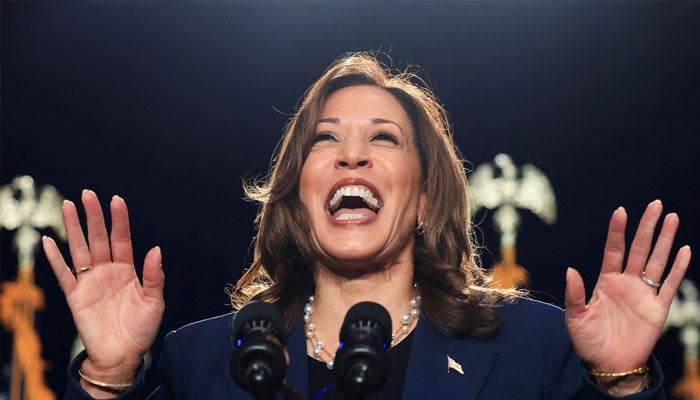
(117, 318)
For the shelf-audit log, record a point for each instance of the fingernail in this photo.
(655, 201)
(160, 255)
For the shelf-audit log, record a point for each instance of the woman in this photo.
(367, 200)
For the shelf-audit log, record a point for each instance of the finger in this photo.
(153, 276)
(575, 294)
(79, 252)
(121, 236)
(658, 260)
(675, 276)
(614, 253)
(639, 250)
(63, 273)
(97, 232)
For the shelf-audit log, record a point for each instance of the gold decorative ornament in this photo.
(23, 211)
(525, 188)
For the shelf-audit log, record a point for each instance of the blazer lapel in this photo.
(431, 375)
(297, 371)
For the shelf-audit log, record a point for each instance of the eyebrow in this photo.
(375, 121)
(329, 120)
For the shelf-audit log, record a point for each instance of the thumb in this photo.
(153, 276)
(575, 294)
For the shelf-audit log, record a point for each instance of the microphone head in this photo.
(367, 315)
(361, 364)
(258, 315)
(259, 359)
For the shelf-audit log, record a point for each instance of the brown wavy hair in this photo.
(457, 294)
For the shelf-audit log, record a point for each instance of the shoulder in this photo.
(524, 320)
(199, 351)
(523, 309)
(199, 336)
(218, 323)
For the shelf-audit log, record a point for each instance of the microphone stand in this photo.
(286, 390)
(290, 392)
(335, 392)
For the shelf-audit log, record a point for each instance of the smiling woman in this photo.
(362, 126)
(367, 202)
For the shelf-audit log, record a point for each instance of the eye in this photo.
(387, 137)
(322, 137)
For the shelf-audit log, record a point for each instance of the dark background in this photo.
(172, 104)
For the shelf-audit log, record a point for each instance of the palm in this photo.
(117, 318)
(618, 328)
(109, 302)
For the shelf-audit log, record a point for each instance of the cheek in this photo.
(412, 178)
(304, 191)
(308, 181)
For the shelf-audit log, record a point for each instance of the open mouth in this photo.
(353, 201)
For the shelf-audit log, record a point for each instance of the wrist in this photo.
(624, 383)
(105, 383)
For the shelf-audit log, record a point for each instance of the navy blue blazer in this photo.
(531, 358)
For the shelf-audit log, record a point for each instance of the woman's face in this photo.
(361, 181)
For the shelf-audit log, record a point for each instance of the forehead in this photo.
(364, 102)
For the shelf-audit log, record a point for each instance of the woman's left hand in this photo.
(618, 328)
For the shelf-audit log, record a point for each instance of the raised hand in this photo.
(618, 328)
(117, 318)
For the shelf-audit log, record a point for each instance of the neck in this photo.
(393, 289)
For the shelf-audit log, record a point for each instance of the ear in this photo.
(422, 204)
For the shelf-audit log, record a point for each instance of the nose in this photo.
(353, 154)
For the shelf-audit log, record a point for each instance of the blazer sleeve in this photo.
(75, 392)
(168, 372)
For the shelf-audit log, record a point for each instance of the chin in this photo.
(353, 256)
(352, 269)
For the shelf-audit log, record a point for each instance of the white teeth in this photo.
(356, 191)
(347, 217)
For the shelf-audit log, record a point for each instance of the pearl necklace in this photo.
(320, 352)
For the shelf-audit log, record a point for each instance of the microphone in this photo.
(361, 363)
(259, 359)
